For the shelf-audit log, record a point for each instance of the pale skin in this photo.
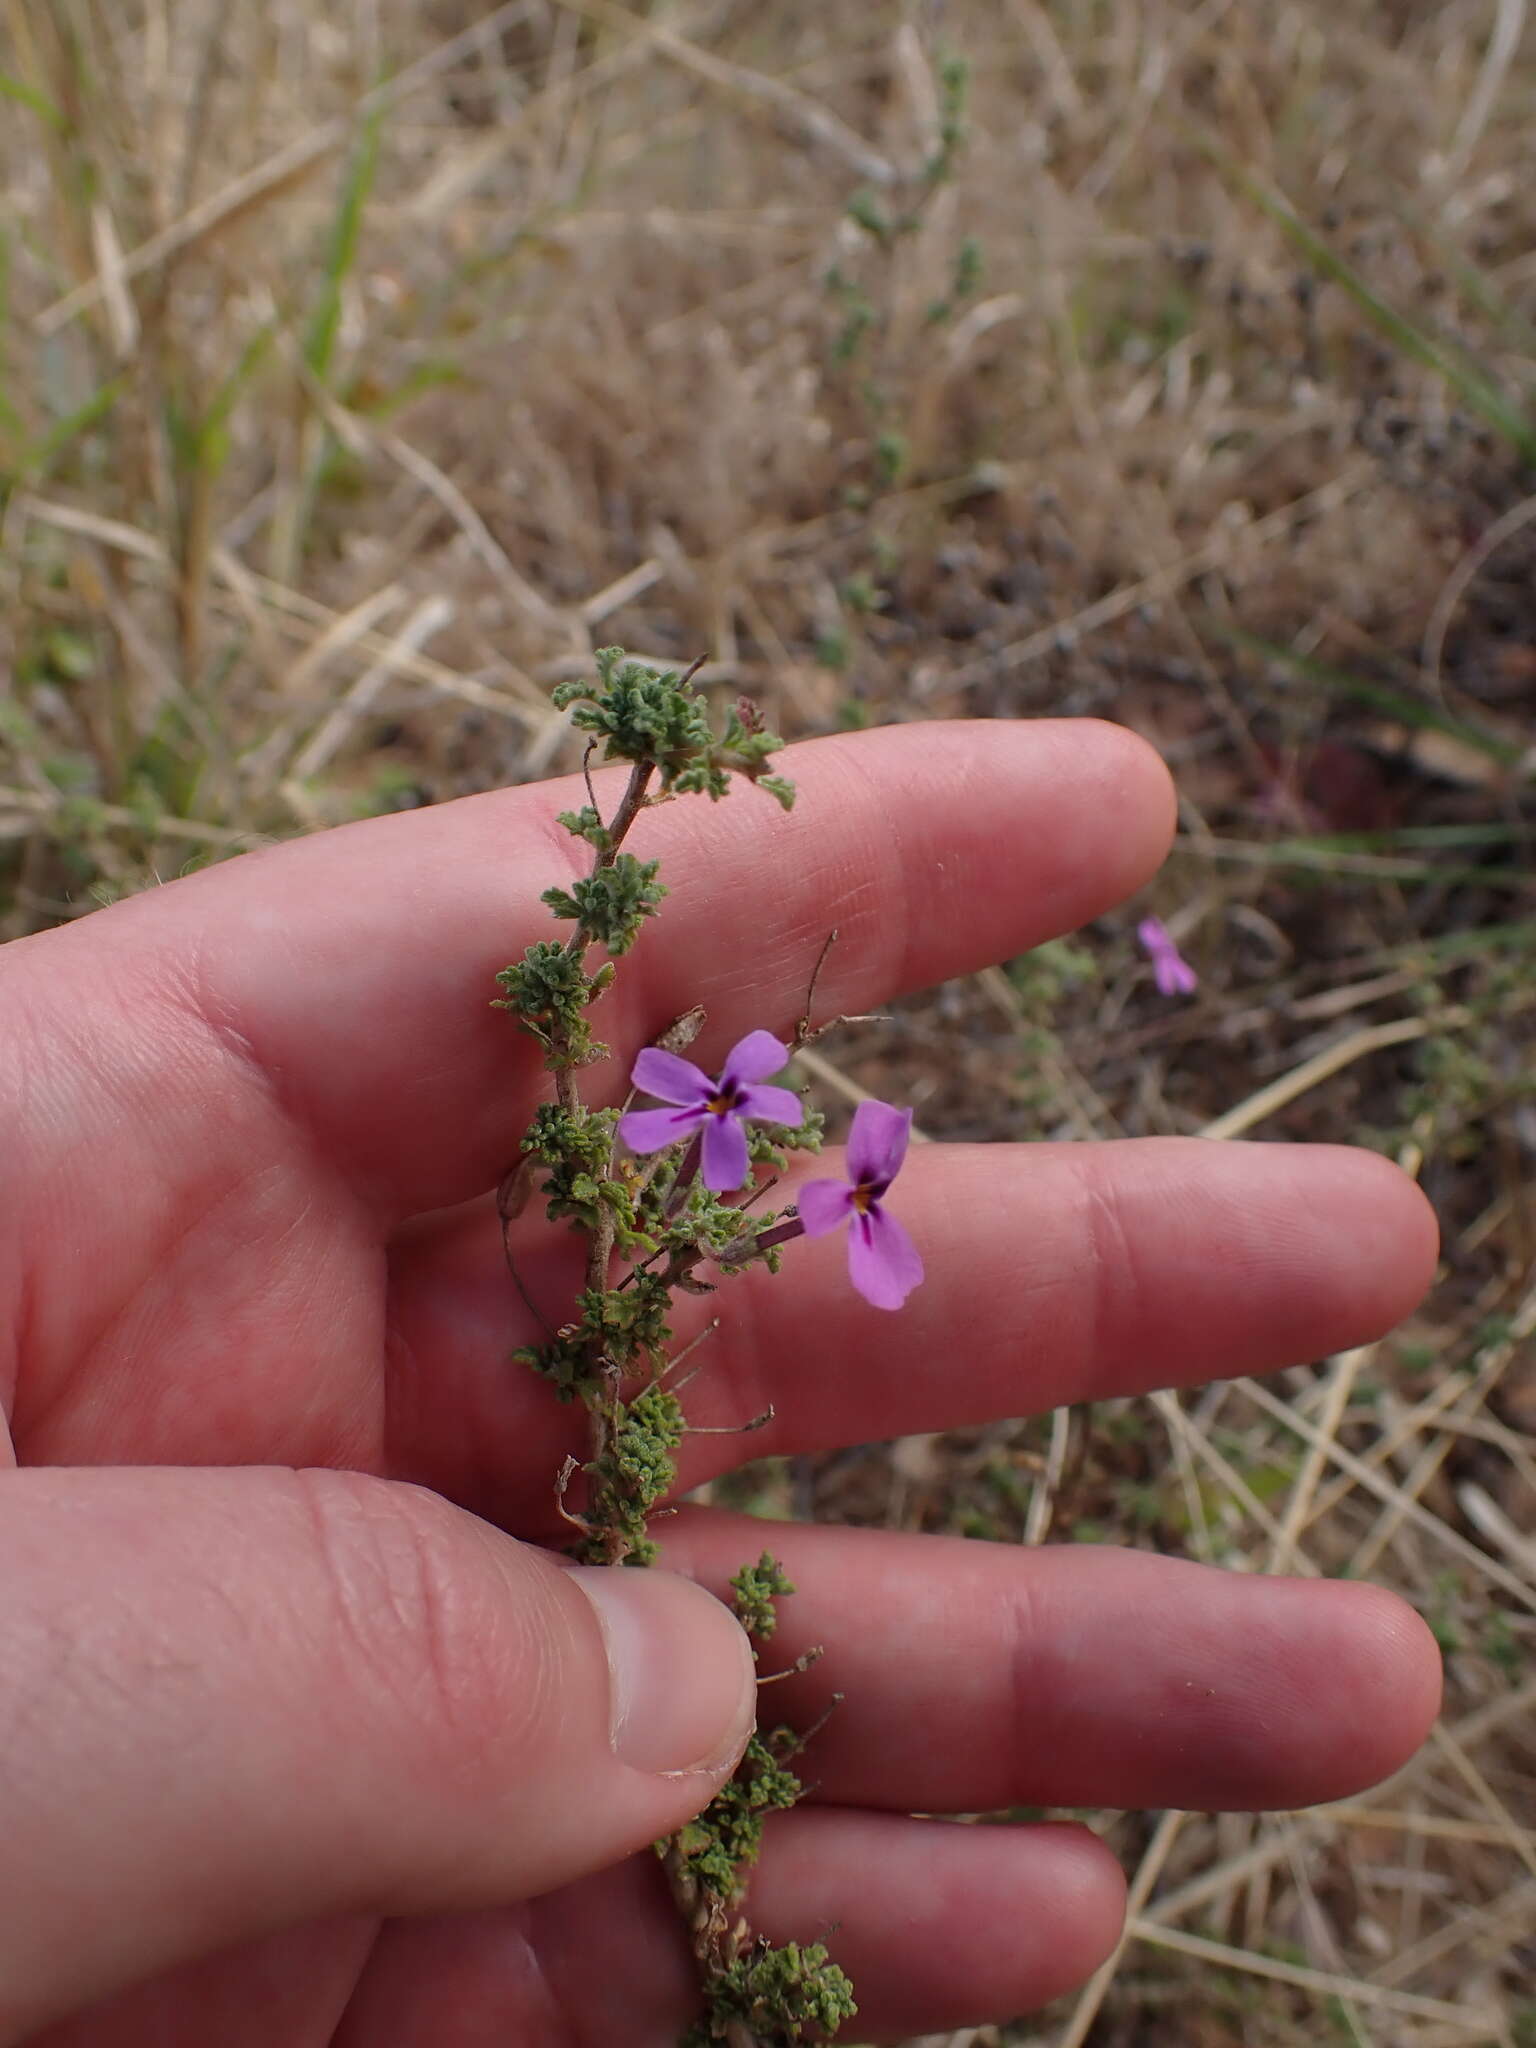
(298, 1744)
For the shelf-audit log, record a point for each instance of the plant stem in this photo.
(687, 1174)
(607, 1411)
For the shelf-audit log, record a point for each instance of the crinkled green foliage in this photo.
(586, 824)
(770, 1144)
(612, 903)
(782, 1995)
(687, 1224)
(644, 1442)
(755, 1588)
(617, 1327)
(563, 1361)
(640, 714)
(576, 1146)
(576, 1137)
(706, 1223)
(637, 1469)
(549, 990)
(724, 1842)
(629, 1323)
(653, 716)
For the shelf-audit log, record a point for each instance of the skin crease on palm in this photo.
(299, 1745)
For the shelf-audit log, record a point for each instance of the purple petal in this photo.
(754, 1058)
(877, 1144)
(669, 1078)
(1174, 976)
(647, 1130)
(883, 1262)
(1170, 970)
(725, 1154)
(772, 1105)
(823, 1205)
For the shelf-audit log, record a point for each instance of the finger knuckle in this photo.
(416, 1601)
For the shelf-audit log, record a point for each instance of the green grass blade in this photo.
(1476, 389)
(1304, 856)
(1392, 703)
(1492, 834)
(210, 438)
(28, 96)
(45, 452)
(341, 256)
(10, 418)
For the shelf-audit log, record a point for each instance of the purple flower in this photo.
(1170, 970)
(715, 1109)
(883, 1262)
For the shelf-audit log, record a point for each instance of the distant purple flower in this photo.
(883, 1262)
(715, 1109)
(1170, 970)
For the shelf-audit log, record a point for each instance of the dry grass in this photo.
(362, 367)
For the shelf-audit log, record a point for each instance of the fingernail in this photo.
(684, 1687)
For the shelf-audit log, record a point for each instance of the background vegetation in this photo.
(362, 367)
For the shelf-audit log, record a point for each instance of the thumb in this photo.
(232, 1701)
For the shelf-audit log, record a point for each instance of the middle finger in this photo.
(979, 1676)
(1056, 1274)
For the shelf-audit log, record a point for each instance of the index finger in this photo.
(355, 970)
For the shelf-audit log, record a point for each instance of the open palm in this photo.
(279, 1762)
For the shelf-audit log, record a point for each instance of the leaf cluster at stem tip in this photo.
(657, 721)
(642, 714)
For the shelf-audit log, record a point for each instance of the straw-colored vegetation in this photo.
(363, 366)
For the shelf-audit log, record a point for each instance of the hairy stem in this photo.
(606, 1413)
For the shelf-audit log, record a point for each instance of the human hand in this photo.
(298, 1752)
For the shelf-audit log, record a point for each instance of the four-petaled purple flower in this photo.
(716, 1110)
(883, 1262)
(1170, 970)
